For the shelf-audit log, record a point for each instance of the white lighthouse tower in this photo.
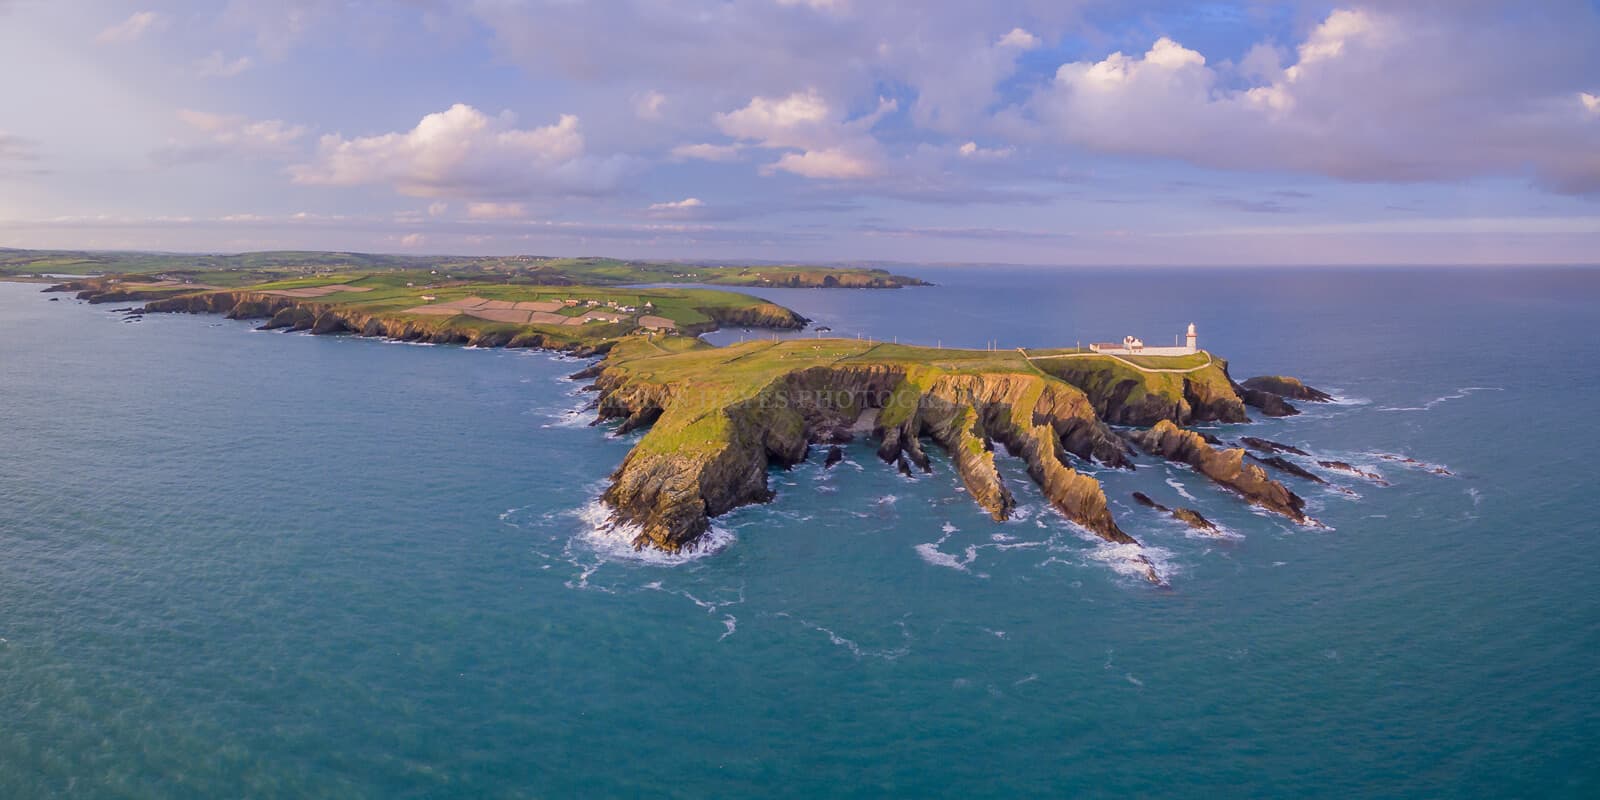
(1193, 339)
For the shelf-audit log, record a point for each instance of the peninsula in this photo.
(717, 419)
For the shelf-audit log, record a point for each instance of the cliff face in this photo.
(764, 315)
(1226, 467)
(1122, 395)
(704, 459)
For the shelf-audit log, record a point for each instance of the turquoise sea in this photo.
(241, 564)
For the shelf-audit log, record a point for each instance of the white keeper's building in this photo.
(1134, 346)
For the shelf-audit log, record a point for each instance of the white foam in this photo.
(930, 552)
(612, 540)
(1477, 499)
(1181, 489)
(1342, 400)
(887, 654)
(1134, 561)
(1459, 394)
(1029, 678)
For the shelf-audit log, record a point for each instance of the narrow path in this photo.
(1119, 359)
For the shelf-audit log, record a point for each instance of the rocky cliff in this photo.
(707, 454)
(1227, 468)
(1123, 395)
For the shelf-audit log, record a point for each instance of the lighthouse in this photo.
(1192, 339)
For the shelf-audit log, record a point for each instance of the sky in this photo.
(1058, 132)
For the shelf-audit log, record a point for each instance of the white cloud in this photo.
(648, 105)
(233, 129)
(216, 65)
(1590, 102)
(782, 121)
(1019, 39)
(677, 205)
(438, 209)
(831, 147)
(229, 134)
(831, 163)
(1372, 96)
(706, 152)
(819, 5)
(413, 240)
(462, 152)
(973, 151)
(133, 28)
(496, 211)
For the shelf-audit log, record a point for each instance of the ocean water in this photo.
(262, 564)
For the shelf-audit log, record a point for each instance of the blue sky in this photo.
(1023, 131)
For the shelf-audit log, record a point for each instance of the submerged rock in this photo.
(835, 455)
(1268, 446)
(1285, 465)
(1349, 469)
(1415, 464)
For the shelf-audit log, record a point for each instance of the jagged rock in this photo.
(1187, 515)
(1268, 446)
(835, 455)
(1226, 467)
(1349, 469)
(1285, 386)
(1268, 403)
(903, 465)
(1144, 500)
(1284, 464)
(1195, 519)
